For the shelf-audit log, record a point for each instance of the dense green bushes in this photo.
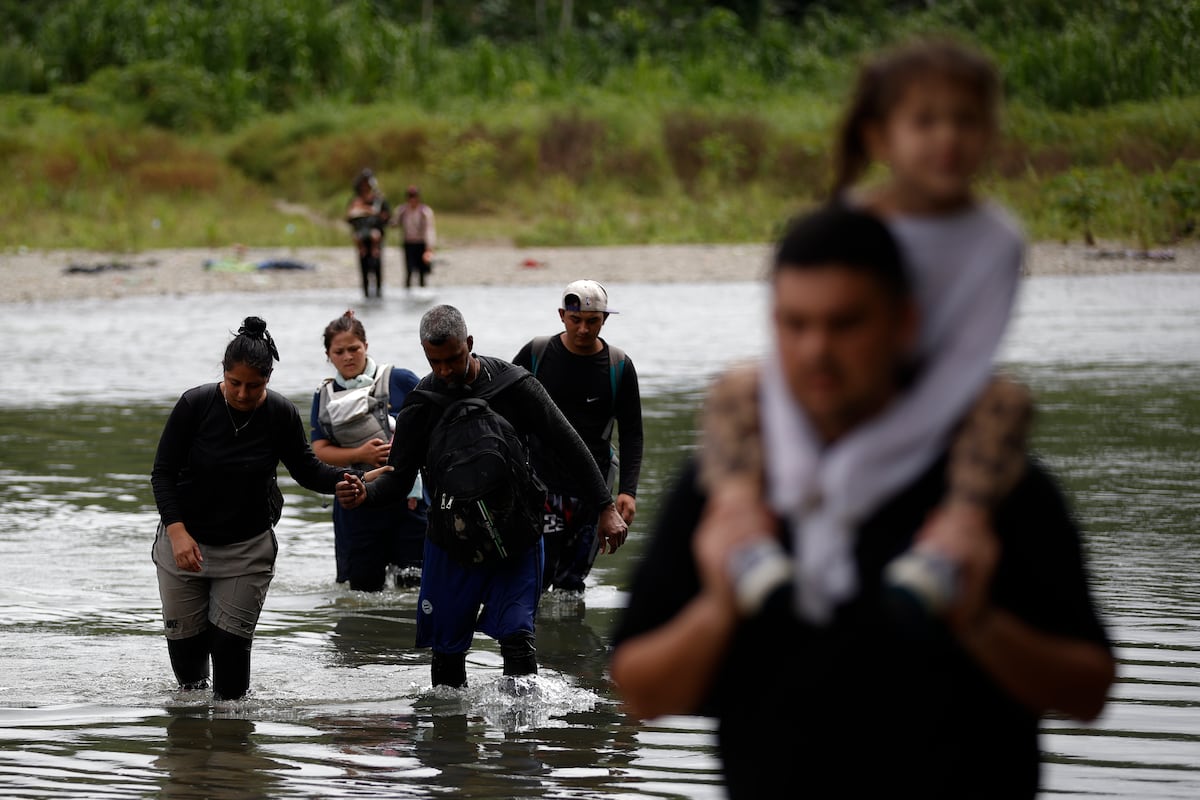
(234, 59)
(656, 120)
(613, 169)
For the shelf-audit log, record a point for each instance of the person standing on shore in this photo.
(218, 502)
(420, 237)
(481, 571)
(368, 213)
(595, 385)
(352, 419)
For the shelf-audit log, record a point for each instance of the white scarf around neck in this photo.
(966, 268)
(366, 378)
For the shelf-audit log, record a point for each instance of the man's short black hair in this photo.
(835, 234)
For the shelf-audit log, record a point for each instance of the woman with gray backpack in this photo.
(352, 422)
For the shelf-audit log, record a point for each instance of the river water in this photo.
(340, 704)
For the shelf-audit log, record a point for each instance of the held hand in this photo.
(184, 548)
(350, 491)
(627, 507)
(374, 452)
(427, 256)
(611, 529)
(412, 503)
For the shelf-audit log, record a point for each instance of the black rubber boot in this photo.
(449, 669)
(189, 660)
(519, 654)
(231, 664)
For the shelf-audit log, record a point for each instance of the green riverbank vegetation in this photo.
(137, 124)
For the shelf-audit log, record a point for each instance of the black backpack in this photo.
(487, 502)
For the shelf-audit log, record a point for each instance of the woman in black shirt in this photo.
(214, 484)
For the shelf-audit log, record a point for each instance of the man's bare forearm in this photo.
(669, 670)
(1043, 671)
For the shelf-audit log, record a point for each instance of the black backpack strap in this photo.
(537, 349)
(616, 368)
(486, 392)
(437, 398)
(500, 382)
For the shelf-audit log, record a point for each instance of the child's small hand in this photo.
(734, 517)
(962, 532)
(371, 475)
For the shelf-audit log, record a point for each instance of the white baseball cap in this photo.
(585, 295)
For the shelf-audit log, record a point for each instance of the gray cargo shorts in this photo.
(228, 591)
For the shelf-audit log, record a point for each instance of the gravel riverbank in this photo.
(32, 276)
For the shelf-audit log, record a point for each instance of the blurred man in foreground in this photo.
(885, 697)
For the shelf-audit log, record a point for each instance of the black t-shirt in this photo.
(877, 704)
(582, 388)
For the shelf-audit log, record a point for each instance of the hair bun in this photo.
(253, 326)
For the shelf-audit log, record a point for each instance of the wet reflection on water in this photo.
(341, 705)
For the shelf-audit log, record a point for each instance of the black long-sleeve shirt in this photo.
(524, 404)
(581, 386)
(217, 477)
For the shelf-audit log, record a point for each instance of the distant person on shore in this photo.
(419, 238)
(368, 214)
(864, 693)
(352, 418)
(218, 502)
(482, 567)
(595, 385)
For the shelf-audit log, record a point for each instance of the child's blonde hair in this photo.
(883, 80)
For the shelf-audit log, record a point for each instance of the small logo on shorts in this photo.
(426, 606)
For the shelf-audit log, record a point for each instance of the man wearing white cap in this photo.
(595, 385)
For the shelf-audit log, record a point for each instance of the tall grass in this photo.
(608, 170)
(133, 123)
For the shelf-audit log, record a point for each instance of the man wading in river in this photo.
(885, 697)
(596, 386)
(482, 567)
